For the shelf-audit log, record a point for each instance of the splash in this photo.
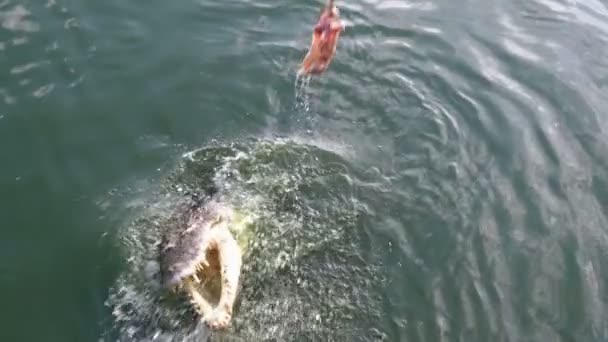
(302, 92)
(304, 273)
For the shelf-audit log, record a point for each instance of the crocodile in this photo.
(201, 257)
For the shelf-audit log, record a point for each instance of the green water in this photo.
(445, 180)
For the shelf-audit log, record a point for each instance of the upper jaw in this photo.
(190, 269)
(175, 280)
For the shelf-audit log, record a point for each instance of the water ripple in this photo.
(44, 90)
(477, 130)
(41, 57)
(400, 5)
(486, 155)
(16, 19)
(19, 69)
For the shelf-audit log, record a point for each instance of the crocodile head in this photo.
(185, 254)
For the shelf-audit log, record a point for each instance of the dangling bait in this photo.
(324, 41)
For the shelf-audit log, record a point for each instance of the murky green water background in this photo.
(449, 172)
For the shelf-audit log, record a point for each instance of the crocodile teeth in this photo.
(196, 278)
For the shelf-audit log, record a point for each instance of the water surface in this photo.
(445, 180)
